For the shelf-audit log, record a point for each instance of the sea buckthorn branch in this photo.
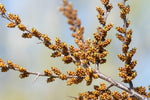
(121, 86)
(76, 77)
(73, 21)
(84, 55)
(24, 73)
(127, 73)
(59, 48)
(101, 34)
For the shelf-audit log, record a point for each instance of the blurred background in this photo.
(45, 17)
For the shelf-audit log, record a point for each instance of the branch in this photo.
(119, 85)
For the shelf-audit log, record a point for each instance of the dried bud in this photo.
(101, 19)
(11, 25)
(120, 37)
(10, 16)
(21, 27)
(27, 35)
(17, 19)
(55, 70)
(2, 9)
(100, 10)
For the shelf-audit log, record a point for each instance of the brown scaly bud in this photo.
(129, 32)
(65, 2)
(109, 7)
(106, 42)
(63, 77)
(127, 9)
(67, 59)
(128, 58)
(99, 30)
(122, 14)
(97, 37)
(133, 64)
(10, 64)
(96, 93)
(71, 73)
(91, 59)
(95, 76)
(96, 87)
(121, 6)
(74, 14)
(62, 8)
(125, 95)
(134, 74)
(127, 23)
(101, 19)
(72, 28)
(53, 47)
(11, 25)
(87, 43)
(121, 57)
(105, 2)
(128, 39)
(3, 66)
(46, 38)
(102, 87)
(21, 69)
(125, 48)
(74, 35)
(36, 33)
(102, 61)
(55, 70)
(71, 81)
(21, 27)
(69, 8)
(51, 79)
(67, 14)
(103, 54)
(108, 27)
(27, 35)
(80, 71)
(89, 71)
(64, 48)
(122, 75)
(81, 29)
(71, 49)
(78, 22)
(24, 75)
(100, 10)
(56, 54)
(82, 55)
(10, 16)
(2, 9)
(88, 80)
(17, 19)
(133, 51)
(70, 21)
(121, 30)
(120, 37)
(116, 95)
(58, 42)
(47, 72)
(84, 62)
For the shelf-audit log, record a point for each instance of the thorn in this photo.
(37, 76)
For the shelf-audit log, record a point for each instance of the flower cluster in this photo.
(10, 65)
(125, 36)
(103, 93)
(73, 20)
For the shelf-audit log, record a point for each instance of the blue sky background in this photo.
(45, 17)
